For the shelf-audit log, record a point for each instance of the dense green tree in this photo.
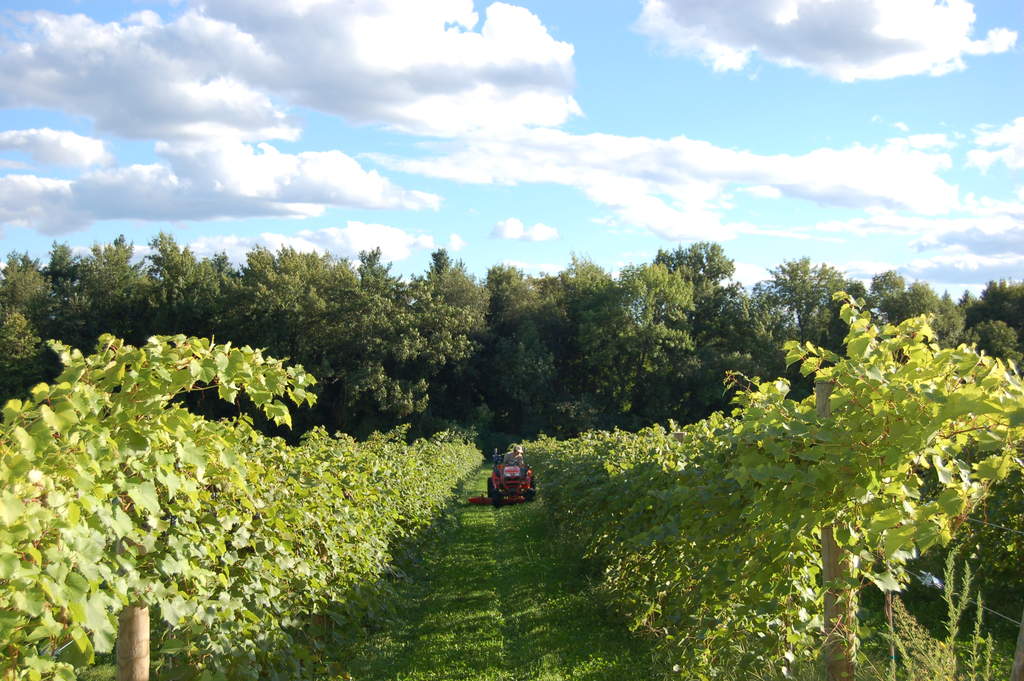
(69, 310)
(804, 293)
(894, 301)
(450, 309)
(515, 368)
(1000, 301)
(22, 355)
(110, 283)
(511, 355)
(722, 323)
(996, 338)
(183, 293)
(24, 289)
(653, 340)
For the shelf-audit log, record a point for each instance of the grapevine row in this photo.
(711, 536)
(254, 556)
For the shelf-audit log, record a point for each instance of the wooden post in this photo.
(839, 611)
(1017, 674)
(133, 644)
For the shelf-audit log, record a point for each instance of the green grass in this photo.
(494, 599)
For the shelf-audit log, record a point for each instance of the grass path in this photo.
(495, 600)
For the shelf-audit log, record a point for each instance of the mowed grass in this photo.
(495, 599)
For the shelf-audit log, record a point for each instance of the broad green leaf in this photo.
(950, 501)
(884, 519)
(11, 508)
(98, 621)
(886, 582)
(9, 563)
(858, 347)
(144, 495)
(898, 538)
(944, 472)
(26, 444)
(80, 652)
(994, 467)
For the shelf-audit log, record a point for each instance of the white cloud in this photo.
(749, 274)
(230, 68)
(846, 40)
(1004, 145)
(965, 269)
(345, 242)
(763, 192)
(536, 268)
(925, 141)
(901, 126)
(30, 201)
(513, 228)
(142, 78)
(204, 181)
(864, 270)
(676, 187)
(58, 147)
(456, 243)
(309, 177)
(928, 232)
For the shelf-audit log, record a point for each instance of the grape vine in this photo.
(114, 493)
(710, 536)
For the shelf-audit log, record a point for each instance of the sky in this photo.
(870, 135)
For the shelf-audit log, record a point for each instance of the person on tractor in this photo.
(514, 456)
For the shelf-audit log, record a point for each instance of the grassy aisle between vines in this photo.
(495, 600)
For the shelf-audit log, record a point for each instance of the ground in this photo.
(496, 598)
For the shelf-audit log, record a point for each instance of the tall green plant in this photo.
(244, 547)
(711, 537)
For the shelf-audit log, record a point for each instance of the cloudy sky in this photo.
(868, 134)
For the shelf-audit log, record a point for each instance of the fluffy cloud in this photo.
(513, 228)
(965, 269)
(202, 182)
(345, 242)
(456, 243)
(846, 40)
(30, 201)
(677, 187)
(229, 68)
(749, 274)
(141, 78)
(1005, 144)
(536, 268)
(57, 147)
(981, 240)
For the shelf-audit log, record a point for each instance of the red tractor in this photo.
(508, 484)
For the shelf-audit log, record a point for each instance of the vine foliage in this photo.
(114, 493)
(710, 536)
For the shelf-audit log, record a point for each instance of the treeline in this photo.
(510, 354)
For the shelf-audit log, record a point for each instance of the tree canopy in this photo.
(511, 355)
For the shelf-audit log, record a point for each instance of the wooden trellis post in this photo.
(133, 644)
(839, 611)
(1017, 673)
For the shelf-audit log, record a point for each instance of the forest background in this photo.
(507, 357)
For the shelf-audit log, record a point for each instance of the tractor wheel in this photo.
(530, 494)
(490, 487)
(496, 500)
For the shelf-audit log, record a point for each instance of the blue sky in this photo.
(867, 134)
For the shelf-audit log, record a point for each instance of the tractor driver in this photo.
(514, 456)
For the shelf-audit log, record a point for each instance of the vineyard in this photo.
(744, 541)
(254, 557)
(740, 544)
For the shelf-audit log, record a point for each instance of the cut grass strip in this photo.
(495, 600)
